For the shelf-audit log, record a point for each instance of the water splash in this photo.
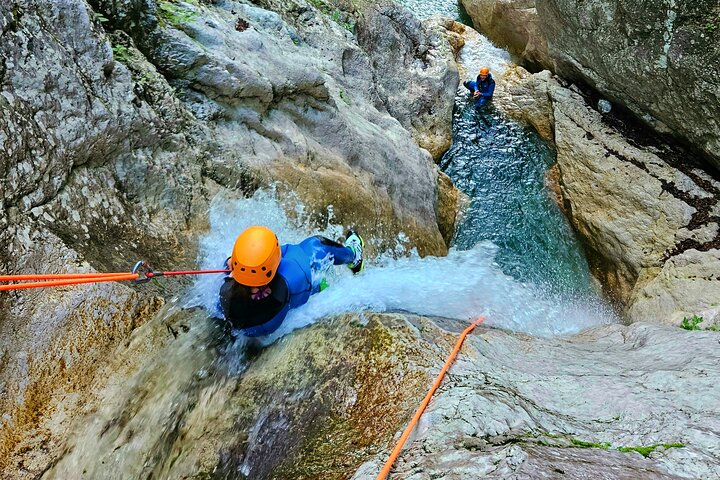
(228, 216)
(463, 285)
(480, 52)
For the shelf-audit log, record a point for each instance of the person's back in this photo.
(267, 281)
(245, 309)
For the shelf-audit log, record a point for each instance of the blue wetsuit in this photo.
(486, 88)
(260, 311)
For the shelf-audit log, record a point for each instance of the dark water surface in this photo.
(501, 165)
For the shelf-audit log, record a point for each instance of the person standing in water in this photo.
(266, 279)
(482, 88)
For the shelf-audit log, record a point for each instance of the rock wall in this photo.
(649, 220)
(422, 100)
(333, 398)
(119, 120)
(93, 178)
(521, 407)
(661, 61)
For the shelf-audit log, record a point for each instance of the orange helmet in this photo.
(484, 71)
(255, 257)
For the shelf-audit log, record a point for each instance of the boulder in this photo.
(660, 62)
(331, 399)
(648, 220)
(687, 286)
(422, 98)
(512, 24)
(635, 206)
(526, 98)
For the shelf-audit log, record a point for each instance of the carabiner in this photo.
(147, 272)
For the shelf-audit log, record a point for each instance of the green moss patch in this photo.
(582, 444)
(174, 14)
(646, 451)
(560, 441)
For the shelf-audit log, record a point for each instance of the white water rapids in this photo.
(463, 285)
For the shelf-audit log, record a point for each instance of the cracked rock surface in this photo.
(660, 60)
(330, 401)
(521, 407)
(647, 211)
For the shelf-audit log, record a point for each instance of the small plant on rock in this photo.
(692, 323)
(646, 451)
(174, 14)
(710, 27)
(344, 96)
(121, 53)
(101, 18)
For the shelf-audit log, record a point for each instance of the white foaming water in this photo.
(480, 52)
(228, 217)
(463, 285)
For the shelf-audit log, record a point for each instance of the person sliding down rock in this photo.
(482, 88)
(267, 280)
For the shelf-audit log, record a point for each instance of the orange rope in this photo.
(55, 276)
(396, 451)
(117, 277)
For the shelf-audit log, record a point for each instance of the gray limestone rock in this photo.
(295, 101)
(330, 400)
(515, 407)
(660, 60)
(422, 98)
(649, 221)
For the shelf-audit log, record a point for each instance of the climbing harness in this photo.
(140, 273)
(451, 358)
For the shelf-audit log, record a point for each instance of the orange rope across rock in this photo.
(60, 279)
(451, 358)
(63, 279)
(56, 276)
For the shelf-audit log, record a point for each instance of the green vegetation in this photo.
(646, 451)
(121, 53)
(582, 444)
(344, 97)
(335, 14)
(171, 13)
(692, 323)
(710, 27)
(338, 18)
(101, 18)
(320, 5)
